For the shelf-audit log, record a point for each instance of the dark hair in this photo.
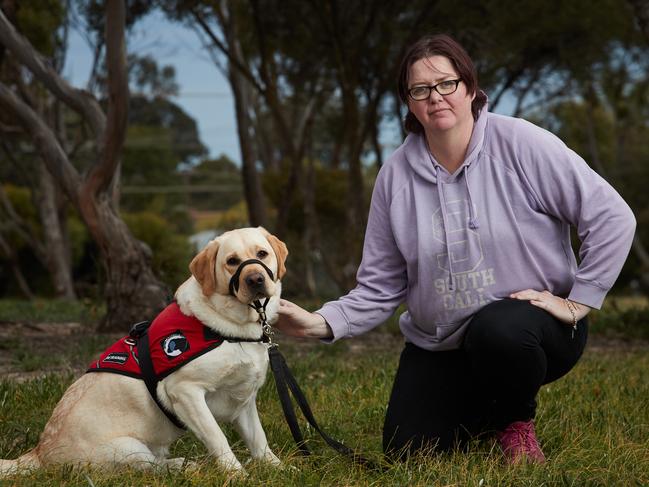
(439, 45)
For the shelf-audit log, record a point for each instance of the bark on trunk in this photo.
(52, 248)
(242, 92)
(132, 292)
(56, 253)
(264, 83)
(10, 255)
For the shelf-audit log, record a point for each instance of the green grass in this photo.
(593, 424)
(50, 311)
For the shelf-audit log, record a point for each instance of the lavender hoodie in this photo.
(448, 244)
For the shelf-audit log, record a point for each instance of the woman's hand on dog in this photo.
(298, 322)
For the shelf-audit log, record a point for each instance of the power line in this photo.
(180, 189)
(203, 94)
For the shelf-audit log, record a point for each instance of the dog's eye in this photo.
(261, 254)
(232, 261)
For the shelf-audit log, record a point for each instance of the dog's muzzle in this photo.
(234, 280)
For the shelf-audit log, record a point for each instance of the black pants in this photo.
(441, 399)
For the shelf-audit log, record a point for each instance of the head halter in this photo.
(234, 280)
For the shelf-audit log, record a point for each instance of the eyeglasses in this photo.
(444, 88)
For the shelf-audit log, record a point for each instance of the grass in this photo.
(593, 423)
(50, 310)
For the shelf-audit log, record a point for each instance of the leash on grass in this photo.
(285, 382)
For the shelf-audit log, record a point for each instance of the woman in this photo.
(470, 225)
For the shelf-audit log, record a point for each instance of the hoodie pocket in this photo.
(444, 330)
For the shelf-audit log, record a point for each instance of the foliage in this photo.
(171, 252)
(22, 201)
(146, 76)
(148, 161)
(92, 11)
(182, 138)
(628, 324)
(223, 183)
(39, 20)
(342, 58)
(345, 63)
(234, 217)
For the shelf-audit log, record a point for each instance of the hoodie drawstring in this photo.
(473, 219)
(442, 202)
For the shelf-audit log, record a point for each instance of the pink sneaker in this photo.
(518, 442)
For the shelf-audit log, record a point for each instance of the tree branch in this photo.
(101, 175)
(79, 100)
(231, 59)
(51, 151)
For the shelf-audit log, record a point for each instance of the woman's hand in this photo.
(298, 322)
(556, 306)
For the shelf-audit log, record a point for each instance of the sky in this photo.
(204, 92)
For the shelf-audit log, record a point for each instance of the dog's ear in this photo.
(203, 268)
(280, 251)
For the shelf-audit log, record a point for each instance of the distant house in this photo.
(201, 239)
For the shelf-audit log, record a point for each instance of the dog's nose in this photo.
(255, 280)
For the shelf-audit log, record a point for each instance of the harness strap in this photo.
(150, 378)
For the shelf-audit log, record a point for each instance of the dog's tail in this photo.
(24, 463)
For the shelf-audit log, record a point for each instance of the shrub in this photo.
(171, 251)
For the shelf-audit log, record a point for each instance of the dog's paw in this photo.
(271, 458)
(231, 465)
(180, 463)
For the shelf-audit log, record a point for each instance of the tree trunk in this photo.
(5, 248)
(51, 249)
(242, 92)
(56, 253)
(264, 83)
(132, 292)
(641, 9)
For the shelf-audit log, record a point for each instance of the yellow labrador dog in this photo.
(108, 419)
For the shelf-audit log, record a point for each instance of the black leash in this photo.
(285, 382)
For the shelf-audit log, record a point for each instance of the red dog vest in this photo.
(174, 340)
(152, 352)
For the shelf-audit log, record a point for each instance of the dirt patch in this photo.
(29, 350)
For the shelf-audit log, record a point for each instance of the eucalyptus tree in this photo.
(249, 51)
(314, 80)
(48, 242)
(132, 291)
(608, 124)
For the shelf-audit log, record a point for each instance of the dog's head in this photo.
(215, 266)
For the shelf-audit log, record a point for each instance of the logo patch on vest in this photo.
(174, 345)
(116, 358)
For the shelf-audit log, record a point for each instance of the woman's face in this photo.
(439, 113)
